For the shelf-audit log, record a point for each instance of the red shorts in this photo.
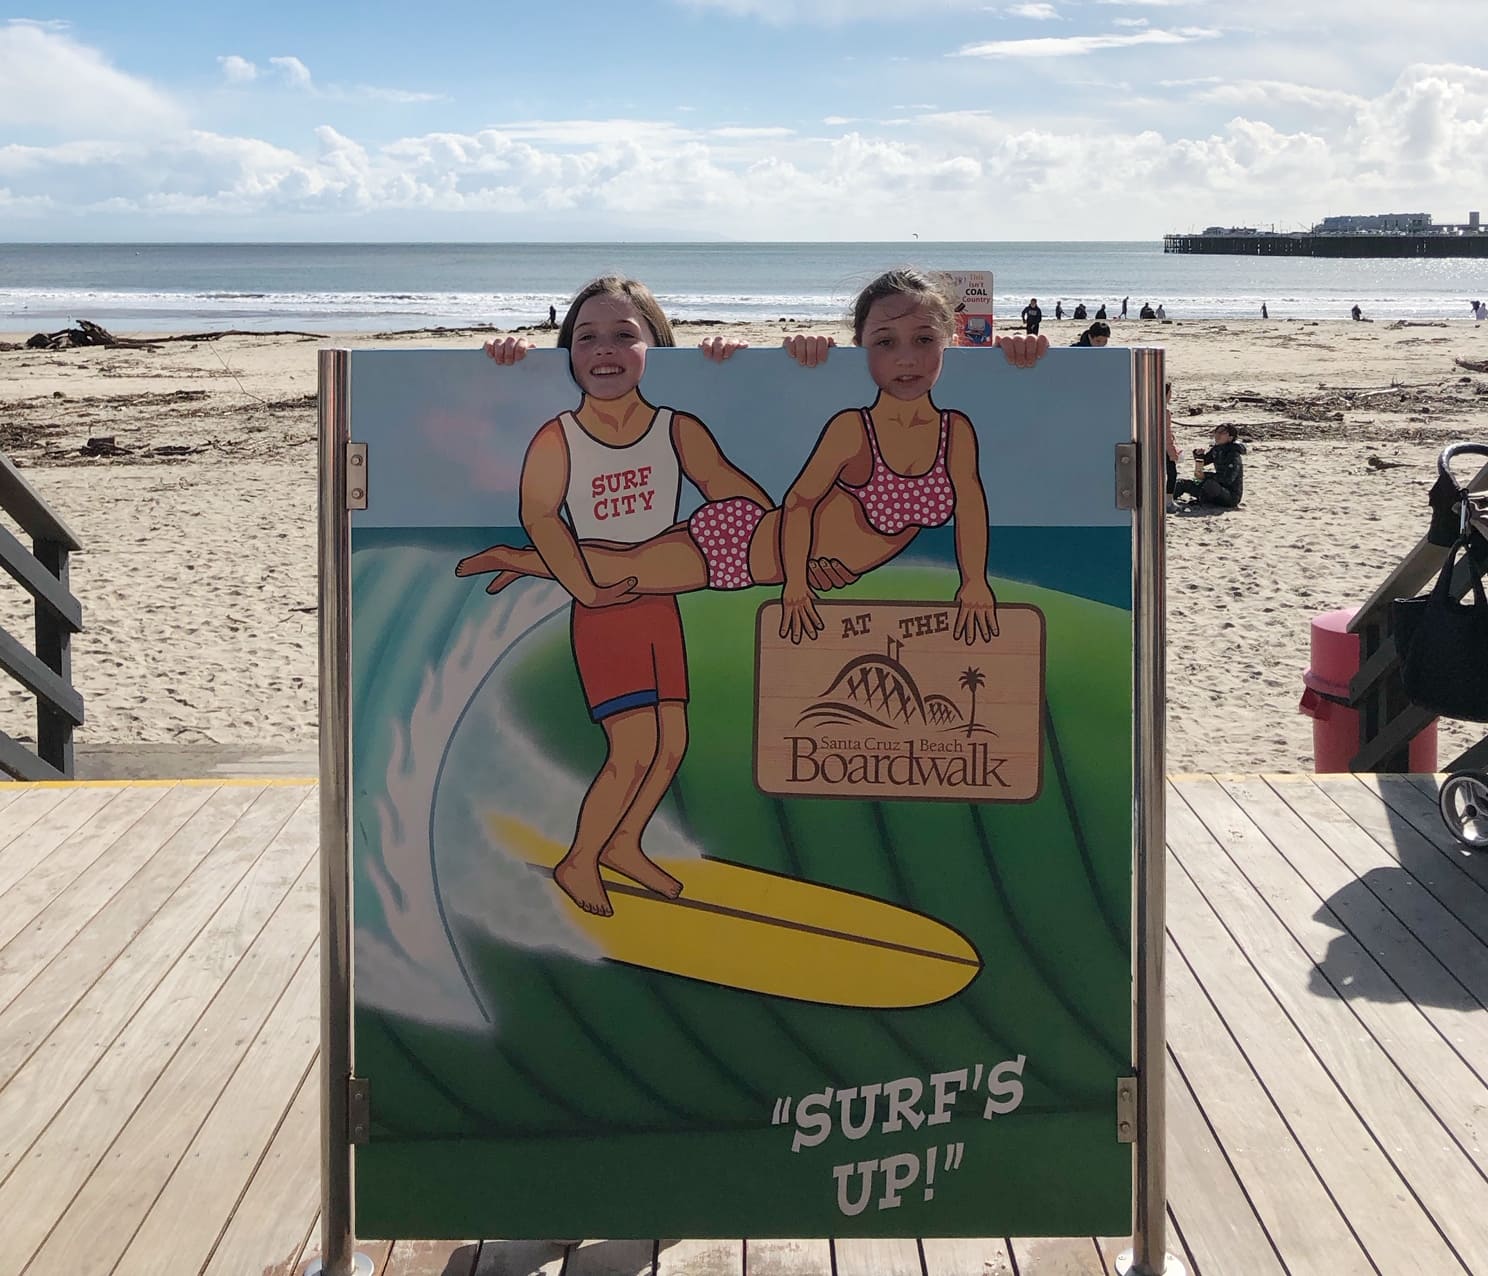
(630, 655)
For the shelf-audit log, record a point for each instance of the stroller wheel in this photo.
(1463, 802)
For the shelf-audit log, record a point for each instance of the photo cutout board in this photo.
(695, 899)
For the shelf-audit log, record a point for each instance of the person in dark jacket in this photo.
(1096, 335)
(1225, 484)
(1101, 313)
(1080, 312)
(1032, 317)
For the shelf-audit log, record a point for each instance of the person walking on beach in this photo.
(1058, 310)
(1032, 317)
(552, 316)
(1124, 300)
(1265, 314)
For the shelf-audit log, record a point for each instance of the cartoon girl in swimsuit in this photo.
(876, 477)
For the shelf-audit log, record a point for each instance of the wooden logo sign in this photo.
(885, 703)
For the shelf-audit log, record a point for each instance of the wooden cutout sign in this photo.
(886, 703)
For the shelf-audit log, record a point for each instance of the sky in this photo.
(735, 119)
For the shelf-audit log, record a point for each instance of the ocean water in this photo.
(387, 287)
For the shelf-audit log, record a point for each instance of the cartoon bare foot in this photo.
(580, 882)
(628, 858)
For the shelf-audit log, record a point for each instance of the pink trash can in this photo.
(1335, 724)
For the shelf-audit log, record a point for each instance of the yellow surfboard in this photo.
(743, 928)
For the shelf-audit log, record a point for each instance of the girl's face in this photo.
(906, 346)
(610, 340)
(1099, 341)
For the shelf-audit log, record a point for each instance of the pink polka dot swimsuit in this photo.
(893, 502)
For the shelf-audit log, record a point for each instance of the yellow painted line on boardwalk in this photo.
(268, 781)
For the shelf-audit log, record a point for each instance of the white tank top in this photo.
(626, 494)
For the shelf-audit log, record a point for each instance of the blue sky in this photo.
(745, 119)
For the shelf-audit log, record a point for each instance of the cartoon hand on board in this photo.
(976, 613)
(798, 615)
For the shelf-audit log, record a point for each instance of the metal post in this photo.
(337, 1238)
(1148, 1255)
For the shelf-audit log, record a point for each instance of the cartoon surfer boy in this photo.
(609, 473)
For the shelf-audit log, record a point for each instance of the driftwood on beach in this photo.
(87, 333)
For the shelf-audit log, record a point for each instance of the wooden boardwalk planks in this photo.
(1328, 1047)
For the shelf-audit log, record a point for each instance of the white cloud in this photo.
(1035, 12)
(1067, 46)
(49, 81)
(296, 75)
(237, 70)
(1279, 92)
(829, 12)
(1129, 22)
(733, 131)
(294, 72)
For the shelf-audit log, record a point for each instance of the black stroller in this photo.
(1444, 644)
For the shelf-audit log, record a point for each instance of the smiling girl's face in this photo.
(906, 345)
(610, 340)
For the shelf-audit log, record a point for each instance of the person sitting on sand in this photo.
(1146, 312)
(1101, 313)
(1162, 314)
(1356, 312)
(1170, 446)
(1225, 484)
(1479, 310)
(1096, 335)
(1080, 311)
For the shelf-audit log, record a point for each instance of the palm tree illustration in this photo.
(971, 680)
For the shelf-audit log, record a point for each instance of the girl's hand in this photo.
(1022, 350)
(823, 574)
(720, 348)
(622, 591)
(508, 350)
(798, 614)
(976, 613)
(806, 350)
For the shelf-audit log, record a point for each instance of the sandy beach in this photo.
(198, 580)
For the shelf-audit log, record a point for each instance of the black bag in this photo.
(1445, 645)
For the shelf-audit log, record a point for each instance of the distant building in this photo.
(1376, 224)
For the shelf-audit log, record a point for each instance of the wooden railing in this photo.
(46, 672)
(1388, 721)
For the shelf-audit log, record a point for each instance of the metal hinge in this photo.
(358, 1110)
(1126, 1109)
(1126, 476)
(356, 476)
